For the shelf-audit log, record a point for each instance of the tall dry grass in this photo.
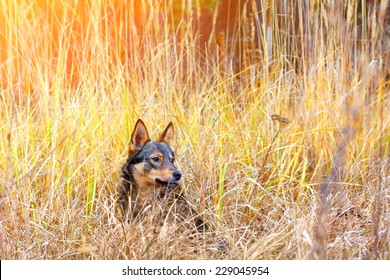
(310, 182)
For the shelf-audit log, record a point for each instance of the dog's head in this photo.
(153, 162)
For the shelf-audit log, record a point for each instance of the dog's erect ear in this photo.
(139, 137)
(167, 135)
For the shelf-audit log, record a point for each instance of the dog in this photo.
(150, 178)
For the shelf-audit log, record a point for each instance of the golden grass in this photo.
(75, 76)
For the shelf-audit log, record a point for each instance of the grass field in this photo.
(282, 126)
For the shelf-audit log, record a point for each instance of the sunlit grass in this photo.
(75, 77)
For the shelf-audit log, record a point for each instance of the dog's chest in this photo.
(165, 208)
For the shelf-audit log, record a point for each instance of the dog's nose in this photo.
(176, 175)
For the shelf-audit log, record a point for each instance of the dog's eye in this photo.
(156, 159)
(172, 160)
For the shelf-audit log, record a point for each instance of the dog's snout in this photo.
(176, 175)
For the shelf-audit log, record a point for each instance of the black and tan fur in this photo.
(150, 179)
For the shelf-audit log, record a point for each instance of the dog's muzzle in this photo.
(172, 182)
